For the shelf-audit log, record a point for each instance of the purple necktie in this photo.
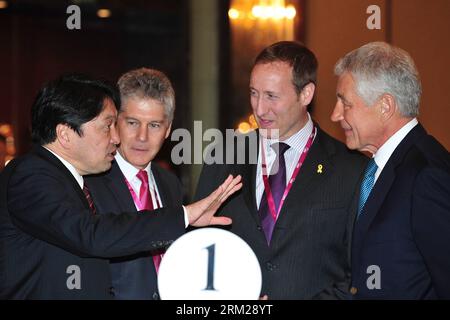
(277, 182)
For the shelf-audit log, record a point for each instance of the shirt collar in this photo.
(383, 154)
(297, 141)
(128, 170)
(69, 167)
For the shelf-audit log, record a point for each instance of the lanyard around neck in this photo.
(268, 192)
(136, 197)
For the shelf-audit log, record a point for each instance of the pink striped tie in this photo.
(145, 197)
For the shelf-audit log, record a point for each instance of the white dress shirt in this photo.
(383, 154)
(71, 168)
(130, 172)
(296, 142)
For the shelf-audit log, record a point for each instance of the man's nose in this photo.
(337, 114)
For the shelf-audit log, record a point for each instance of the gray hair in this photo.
(147, 83)
(380, 68)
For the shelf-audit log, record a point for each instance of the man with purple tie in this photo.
(136, 182)
(294, 209)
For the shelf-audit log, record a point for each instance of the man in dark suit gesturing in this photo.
(297, 218)
(53, 243)
(144, 122)
(401, 240)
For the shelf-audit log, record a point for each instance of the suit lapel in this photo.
(50, 157)
(248, 173)
(310, 175)
(375, 200)
(384, 183)
(115, 181)
(163, 187)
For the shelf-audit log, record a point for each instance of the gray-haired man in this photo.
(401, 236)
(144, 122)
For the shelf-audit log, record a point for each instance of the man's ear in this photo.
(388, 107)
(307, 94)
(168, 130)
(64, 135)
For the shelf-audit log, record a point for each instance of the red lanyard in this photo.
(267, 189)
(136, 198)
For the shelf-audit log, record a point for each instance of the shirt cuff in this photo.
(186, 219)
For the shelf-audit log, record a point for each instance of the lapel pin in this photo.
(319, 168)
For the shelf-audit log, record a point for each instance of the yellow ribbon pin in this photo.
(319, 168)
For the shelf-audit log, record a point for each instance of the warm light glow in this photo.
(244, 127)
(290, 12)
(252, 122)
(263, 12)
(257, 11)
(6, 129)
(233, 13)
(3, 4)
(276, 12)
(104, 13)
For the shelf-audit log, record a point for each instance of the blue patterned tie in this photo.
(277, 182)
(367, 184)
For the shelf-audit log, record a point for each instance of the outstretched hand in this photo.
(201, 213)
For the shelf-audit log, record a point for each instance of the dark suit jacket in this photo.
(308, 256)
(47, 230)
(404, 228)
(133, 277)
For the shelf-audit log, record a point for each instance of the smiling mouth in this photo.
(265, 123)
(347, 131)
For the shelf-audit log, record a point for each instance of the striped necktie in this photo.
(277, 182)
(89, 198)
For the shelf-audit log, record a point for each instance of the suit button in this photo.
(259, 228)
(270, 266)
(111, 291)
(159, 243)
(353, 290)
(155, 296)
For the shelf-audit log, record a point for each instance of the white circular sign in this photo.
(209, 264)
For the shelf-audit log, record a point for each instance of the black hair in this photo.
(72, 99)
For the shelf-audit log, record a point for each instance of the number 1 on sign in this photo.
(210, 281)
